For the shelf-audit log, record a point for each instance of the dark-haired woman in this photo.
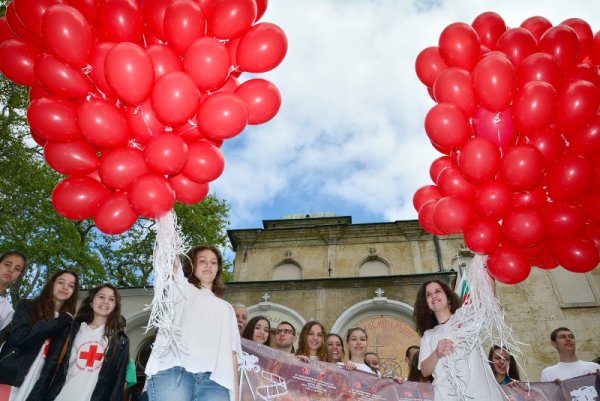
(12, 265)
(503, 365)
(335, 348)
(94, 367)
(460, 370)
(258, 330)
(414, 374)
(202, 366)
(37, 333)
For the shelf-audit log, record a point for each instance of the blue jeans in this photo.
(177, 384)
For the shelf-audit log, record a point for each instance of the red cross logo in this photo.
(91, 356)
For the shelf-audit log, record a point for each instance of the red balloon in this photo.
(517, 43)
(38, 139)
(596, 164)
(570, 178)
(447, 125)
(96, 60)
(67, 34)
(262, 48)
(166, 154)
(205, 162)
(594, 51)
(207, 62)
(584, 34)
(89, 8)
(183, 23)
(231, 18)
(18, 29)
(589, 206)
(53, 119)
(121, 20)
(429, 65)
(493, 199)
(232, 84)
(222, 116)
(563, 220)
(102, 124)
(30, 12)
(494, 79)
(151, 196)
(582, 72)
(479, 160)
(452, 183)
(143, 123)
(154, 15)
(578, 255)
(453, 85)
(120, 167)
(550, 144)
(534, 107)
(425, 194)
(37, 92)
(539, 67)
(71, 158)
(59, 79)
(175, 98)
(114, 215)
(426, 218)
(522, 167)
(77, 198)
(188, 191)
(561, 43)
(483, 236)
(189, 131)
(496, 127)
(537, 26)
(261, 7)
(452, 215)
(536, 198)
(5, 32)
(577, 106)
(459, 46)
(164, 60)
(129, 72)
(540, 255)
(262, 99)
(438, 165)
(593, 232)
(489, 27)
(509, 265)
(17, 60)
(524, 227)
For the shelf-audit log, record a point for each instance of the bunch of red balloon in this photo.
(131, 99)
(517, 119)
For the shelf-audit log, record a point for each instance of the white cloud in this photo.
(350, 130)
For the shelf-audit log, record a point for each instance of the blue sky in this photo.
(349, 137)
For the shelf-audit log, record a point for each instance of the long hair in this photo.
(42, 307)
(303, 348)
(248, 332)
(424, 318)
(414, 374)
(341, 342)
(189, 265)
(113, 324)
(349, 333)
(513, 370)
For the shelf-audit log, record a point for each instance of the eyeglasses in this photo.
(565, 336)
(284, 331)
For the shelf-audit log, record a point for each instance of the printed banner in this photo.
(267, 374)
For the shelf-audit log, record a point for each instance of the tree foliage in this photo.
(29, 223)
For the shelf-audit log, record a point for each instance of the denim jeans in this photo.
(177, 384)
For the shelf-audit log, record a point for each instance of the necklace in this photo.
(445, 321)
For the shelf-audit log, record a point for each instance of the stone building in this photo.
(321, 266)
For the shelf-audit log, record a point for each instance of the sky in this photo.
(349, 136)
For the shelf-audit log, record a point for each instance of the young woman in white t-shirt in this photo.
(357, 348)
(311, 343)
(202, 366)
(94, 367)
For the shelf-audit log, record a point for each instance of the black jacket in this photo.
(24, 341)
(111, 379)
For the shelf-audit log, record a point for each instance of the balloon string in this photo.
(87, 71)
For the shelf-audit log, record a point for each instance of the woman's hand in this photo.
(399, 379)
(303, 358)
(444, 347)
(349, 365)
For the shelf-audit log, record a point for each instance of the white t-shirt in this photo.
(568, 370)
(208, 335)
(6, 312)
(85, 362)
(472, 370)
(21, 393)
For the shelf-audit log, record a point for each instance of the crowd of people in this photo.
(51, 351)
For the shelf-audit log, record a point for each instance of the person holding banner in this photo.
(454, 365)
(202, 365)
(335, 348)
(311, 344)
(503, 365)
(357, 348)
(258, 330)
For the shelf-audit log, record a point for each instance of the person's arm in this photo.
(23, 334)
(236, 376)
(444, 347)
(120, 369)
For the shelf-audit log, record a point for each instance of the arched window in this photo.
(373, 267)
(287, 271)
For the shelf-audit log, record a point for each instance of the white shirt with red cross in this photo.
(87, 356)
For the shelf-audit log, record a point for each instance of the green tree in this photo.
(29, 223)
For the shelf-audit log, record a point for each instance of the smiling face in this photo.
(372, 360)
(357, 344)
(501, 361)
(11, 268)
(285, 335)
(261, 332)
(206, 267)
(315, 339)
(437, 300)
(63, 288)
(104, 302)
(335, 349)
